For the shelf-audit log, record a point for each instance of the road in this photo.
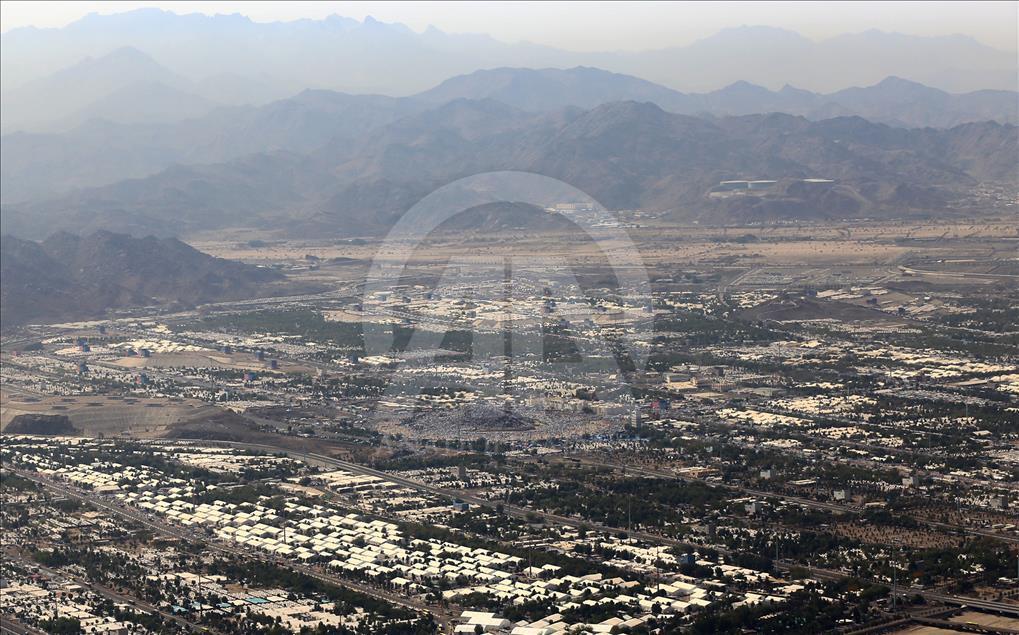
(723, 288)
(993, 606)
(956, 274)
(10, 626)
(523, 512)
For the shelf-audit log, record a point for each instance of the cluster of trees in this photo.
(621, 502)
(701, 330)
(61, 626)
(536, 557)
(307, 323)
(805, 612)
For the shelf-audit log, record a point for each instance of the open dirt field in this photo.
(192, 359)
(109, 416)
(874, 244)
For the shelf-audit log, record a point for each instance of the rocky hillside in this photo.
(70, 277)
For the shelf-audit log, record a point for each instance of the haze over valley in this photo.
(108, 127)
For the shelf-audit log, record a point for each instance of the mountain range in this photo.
(893, 100)
(75, 277)
(152, 122)
(627, 155)
(117, 76)
(370, 56)
(117, 146)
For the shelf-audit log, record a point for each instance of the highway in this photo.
(956, 274)
(11, 626)
(993, 606)
(523, 512)
(574, 522)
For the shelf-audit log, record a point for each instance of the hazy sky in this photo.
(589, 26)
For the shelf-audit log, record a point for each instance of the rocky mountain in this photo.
(124, 86)
(113, 79)
(902, 102)
(894, 100)
(774, 57)
(507, 217)
(371, 56)
(100, 151)
(626, 155)
(68, 276)
(552, 88)
(140, 103)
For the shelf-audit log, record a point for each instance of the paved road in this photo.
(523, 512)
(931, 596)
(723, 288)
(11, 626)
(956, 274)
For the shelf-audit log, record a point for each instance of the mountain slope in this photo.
(635, 155)
(773, 57)
(231, 194)
(59, 96)
(899, 101)
(99, 152)
(68, 276)
(142, 102)
(552, 88)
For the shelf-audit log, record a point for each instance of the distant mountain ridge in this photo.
(123, 86)
(75, 277)
(371, 56)
(550, 88)
(893, 100)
